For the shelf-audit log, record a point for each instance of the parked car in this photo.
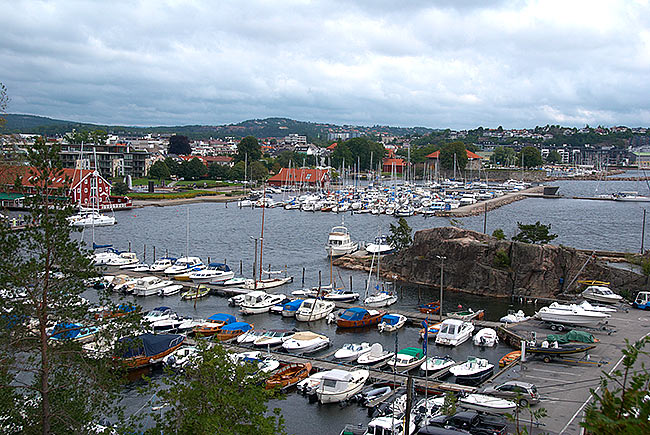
(525, 392)
(472, 422)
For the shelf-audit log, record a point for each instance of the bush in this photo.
(179, 195)
(499, 234)
(501, 259)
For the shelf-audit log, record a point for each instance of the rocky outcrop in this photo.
(481, 264)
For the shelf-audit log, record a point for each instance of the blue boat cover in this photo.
(73, 330)
(126, 308)
(237, 326)
(390, 319)
(355, 313)
(219, 266)
(161, 309)
(222, 317)
(293, 305)
(147, 344)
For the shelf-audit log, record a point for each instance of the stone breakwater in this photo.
(480, 264)
(491, 204)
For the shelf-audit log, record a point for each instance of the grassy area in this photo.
(175, 195)
(206, 183)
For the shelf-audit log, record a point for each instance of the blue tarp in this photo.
(148, 344)
(69, 330)
(163, 309)
(390, 319)
(293, 305)
(219, 266)
(354, 313)
(237, 326)
(222, 317)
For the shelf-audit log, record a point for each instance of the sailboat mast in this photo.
(262, 233)
(187, 232)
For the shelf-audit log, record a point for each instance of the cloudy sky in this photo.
(445, 63)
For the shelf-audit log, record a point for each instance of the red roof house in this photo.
(391, 163)
(297, 176)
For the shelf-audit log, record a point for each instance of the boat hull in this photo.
(367, 321)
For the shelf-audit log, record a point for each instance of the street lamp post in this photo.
(442, 271)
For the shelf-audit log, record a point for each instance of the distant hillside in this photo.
(269, 127)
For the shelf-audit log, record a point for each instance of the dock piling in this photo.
(303, 276)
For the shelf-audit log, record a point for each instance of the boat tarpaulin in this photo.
(148, 344)
(237, 326)
(573, 335)
(222, 317)
(354, 313)
(390, 319)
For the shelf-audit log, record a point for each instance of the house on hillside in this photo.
(393, 165)
(473, 160)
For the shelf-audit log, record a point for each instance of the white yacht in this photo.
(351, 351)
(601, 294)
(575, 315)
(314, 309)
(149, 286)
(91, 218)
(339, 385)
(123, 259)
(383, 298)
(306, 342)
(257, 302)
(339, 242)
(380, 246)
(162, 263)
(454, 332)
(215, 273)
(185, 265)
(489, 404)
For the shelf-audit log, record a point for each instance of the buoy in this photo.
(460, 306)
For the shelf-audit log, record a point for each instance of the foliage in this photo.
(216, 397)
(534, 233)
(176, 195)
(342, 155)
(447, 152)
(119, 188)
(4, 101)
(499, 234)
(534, 416)
(237, 172)
(88, 136)
(51, 387)
(179, 145)
(501, 259)
(159, 170)
(503, 156)
(554, 157)
(623, 406)
(193, 169)
(217, 171)
(531, 157)
(258, 171)
(449, 405)
(172, 165)
(248, 146)
(400, 235)
(358, 150)
(642, 261)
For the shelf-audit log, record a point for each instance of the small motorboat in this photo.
(351, 351)
(341, 295)
(181, 357)
(489, 404)
(233, 330)
(157, 314)
(273, 337)
(149, 286)
(339, 242)
(380, 246)
(381, 299)
(258, 301)
(213, 324)
(430, 308)
(454, 332)
(575, 315)
(373, 393)
(600, 293)
(309, 385)
(391, 322)
(473, 371)
(466, 314)
(436, 363)
(64, 331)
(123, 283)
(215, 273)
(357, 317)
(175, 323)
(432, 331)
(314, 309)
(376, 355)
(236, 300)
(306, 342)
(162, 263)
(546, 349)
(289, 375)
(290, 308)
(250, 336)
(267, 283)
(196, 293)
(514, 317)
(124, 258)
(264, 363)
(406, 359)
(185, 265)
(585, 305)
(509, 358)
(233, 282)
(170, 290)
(139, 267)
(146, 349)
(486, 337)
(339, 385)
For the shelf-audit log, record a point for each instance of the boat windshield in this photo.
(448, 329)
(307, 305)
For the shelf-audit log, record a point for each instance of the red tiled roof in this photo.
(298, 175)
(470, 155)
(8, 176)
(397, 162)
(213, 159)
(331, 147)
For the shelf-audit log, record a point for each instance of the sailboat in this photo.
(382, 298)
(91, 217)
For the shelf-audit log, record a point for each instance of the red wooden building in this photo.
(300, 176)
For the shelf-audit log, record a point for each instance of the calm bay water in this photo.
(296, 239)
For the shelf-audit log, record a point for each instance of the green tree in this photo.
(258, 171)
(179, 145)
(531, 157)
(173, 166)
(159, 170)
(51, 387)
(119, 188)
(502, 156)
(237, 172)
(534, 233)
(400, 235)
(621, 404)
(248, 146)
(341, 155)
(4, 102)
(447, 153)
(362, 149)
(499, 234)
(554, 157)
(285, 157)
(217, 171)
(98, 137)
(216, 397)
(193, 169)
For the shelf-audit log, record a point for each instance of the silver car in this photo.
(525, 392)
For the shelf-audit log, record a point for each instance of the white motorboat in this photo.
(170, 290)
(310, 384)
(140, 267)
(406, 359)
(376, 355)
(351, 351)
(314, 309)
(486, 337)
(233, 282)
(123, 258)
(339, 385)
(182, 357)
(215, 273)
(149, 286)
(389, 425)
(381, 299)
(235, 301)
(454, 332)
(585, 305)
(161, 264)
(273, 337)
(91, 218)
(158, 313)
(380, 246)
(514, 317)
(265, 363)
(185, 265)
(312, 292)
(339, 242)
(257, 302)
(105, 257)
(175, 323)
(436, 363)
(123, 283)
(341, 295)
(391, 322)
(306, 342)
(601, 294)
(291, 308)
(250, 336)
(473, 371)
(631, 197)
(576, 315)
(263, 284)
(489, 404)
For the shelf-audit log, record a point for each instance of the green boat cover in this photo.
(573, 335)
